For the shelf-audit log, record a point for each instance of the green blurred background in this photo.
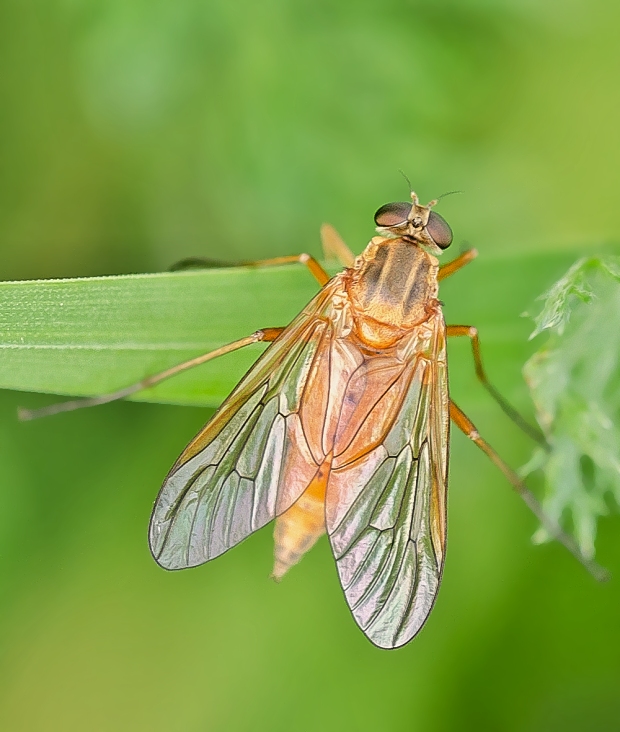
(133, 134)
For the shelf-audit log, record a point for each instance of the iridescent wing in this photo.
(251, 462)
(386, 495)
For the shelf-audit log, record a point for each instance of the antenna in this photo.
(407, 179)
(449, 193)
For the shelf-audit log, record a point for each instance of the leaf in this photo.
(558, 299)
(93, 335)
(90, 336)
(575, 386)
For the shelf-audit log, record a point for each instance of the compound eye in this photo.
(392, 214)
(439, 230)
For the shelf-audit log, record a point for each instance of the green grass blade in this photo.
(83, 337)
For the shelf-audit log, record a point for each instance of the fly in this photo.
(340, 427)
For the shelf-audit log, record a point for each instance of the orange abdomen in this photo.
(298, 528)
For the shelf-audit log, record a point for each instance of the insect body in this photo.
(340, 427)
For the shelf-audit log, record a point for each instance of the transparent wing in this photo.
(251, 462)
(385, 508)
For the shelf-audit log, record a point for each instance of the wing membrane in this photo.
(385, 509)
(252, 461)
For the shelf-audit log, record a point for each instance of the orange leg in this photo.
(334, 246)
(266, 335)
(309, 261)
(462, 421)
(315, 268)
(510, 411)
(451, 267)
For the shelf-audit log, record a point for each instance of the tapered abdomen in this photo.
(298, 528)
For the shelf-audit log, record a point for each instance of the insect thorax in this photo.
(394, 282)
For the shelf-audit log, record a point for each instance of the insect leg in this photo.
(200, 263)
(315, 268)
(509, 411)
(266, 335)
(462, 421)
(204, 263)
(451, 267)
(334, 246)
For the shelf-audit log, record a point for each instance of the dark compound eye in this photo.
(439, 230)
(392, 214)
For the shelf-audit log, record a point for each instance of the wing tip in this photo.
(393, 643)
